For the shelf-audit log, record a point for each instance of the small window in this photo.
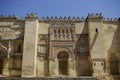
(96, 30)
(59, 31)
(94, 64)
(102, 64)
(42, 49)
(19, 48)
(67, 31)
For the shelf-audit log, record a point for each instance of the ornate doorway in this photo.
(63, 62)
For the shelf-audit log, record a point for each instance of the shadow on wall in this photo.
(3, 57)
(113, 53)
(94, 40)
(83, 60)
(6, 64)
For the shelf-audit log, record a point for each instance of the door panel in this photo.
(63, 67)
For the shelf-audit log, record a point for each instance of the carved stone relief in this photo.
(28, 70)
(7, 32)
(62, 31)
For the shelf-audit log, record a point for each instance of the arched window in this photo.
(42, 47)
(82, 44)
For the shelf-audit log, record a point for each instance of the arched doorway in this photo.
(63, 62)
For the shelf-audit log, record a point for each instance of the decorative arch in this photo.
(63, 55)
(43, 41)
(63, 49)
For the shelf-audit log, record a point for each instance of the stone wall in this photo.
(40, 47)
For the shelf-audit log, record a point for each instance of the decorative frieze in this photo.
(62, 31)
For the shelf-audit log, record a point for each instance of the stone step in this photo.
(60, 78)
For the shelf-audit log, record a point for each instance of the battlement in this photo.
(95, 15)
(90, 16)
(62, 18)
(8, 17)
(31, 15)
(111, 19)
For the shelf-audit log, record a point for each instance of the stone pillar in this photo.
(53, 68)
(30, 46)
(65, 34)
(72, 68)
(40, 67)
(58, 34)
(61, 34)
(55, 34)
(5, 70)
(69, 33)
(98, 68)
(118, 65)
(107, 69)
(97, 44)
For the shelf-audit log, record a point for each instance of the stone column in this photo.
(107, 69)
(30, 46)
(40, 67)
(61, 37)
(98, 68)
(72, 68)
(118, 65)
(65, 34)
(7, 61)
(53, 68)
(69, 32)
(58, 38)
(55, 34)
(5, 70)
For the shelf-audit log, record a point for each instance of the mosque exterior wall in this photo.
(60, 47)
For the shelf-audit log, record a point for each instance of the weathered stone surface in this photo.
(60, 47)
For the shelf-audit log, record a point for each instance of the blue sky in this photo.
(108, 8)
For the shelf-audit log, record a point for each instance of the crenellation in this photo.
(1, 16)
(78, 18)
(69, 18)
(8, 17)
(73, 18)
(62, 19)
(111, 19)
(31, 15)
(56, 18)
(51, 18)
(94, 15)
(65, 18)
(82, 19)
